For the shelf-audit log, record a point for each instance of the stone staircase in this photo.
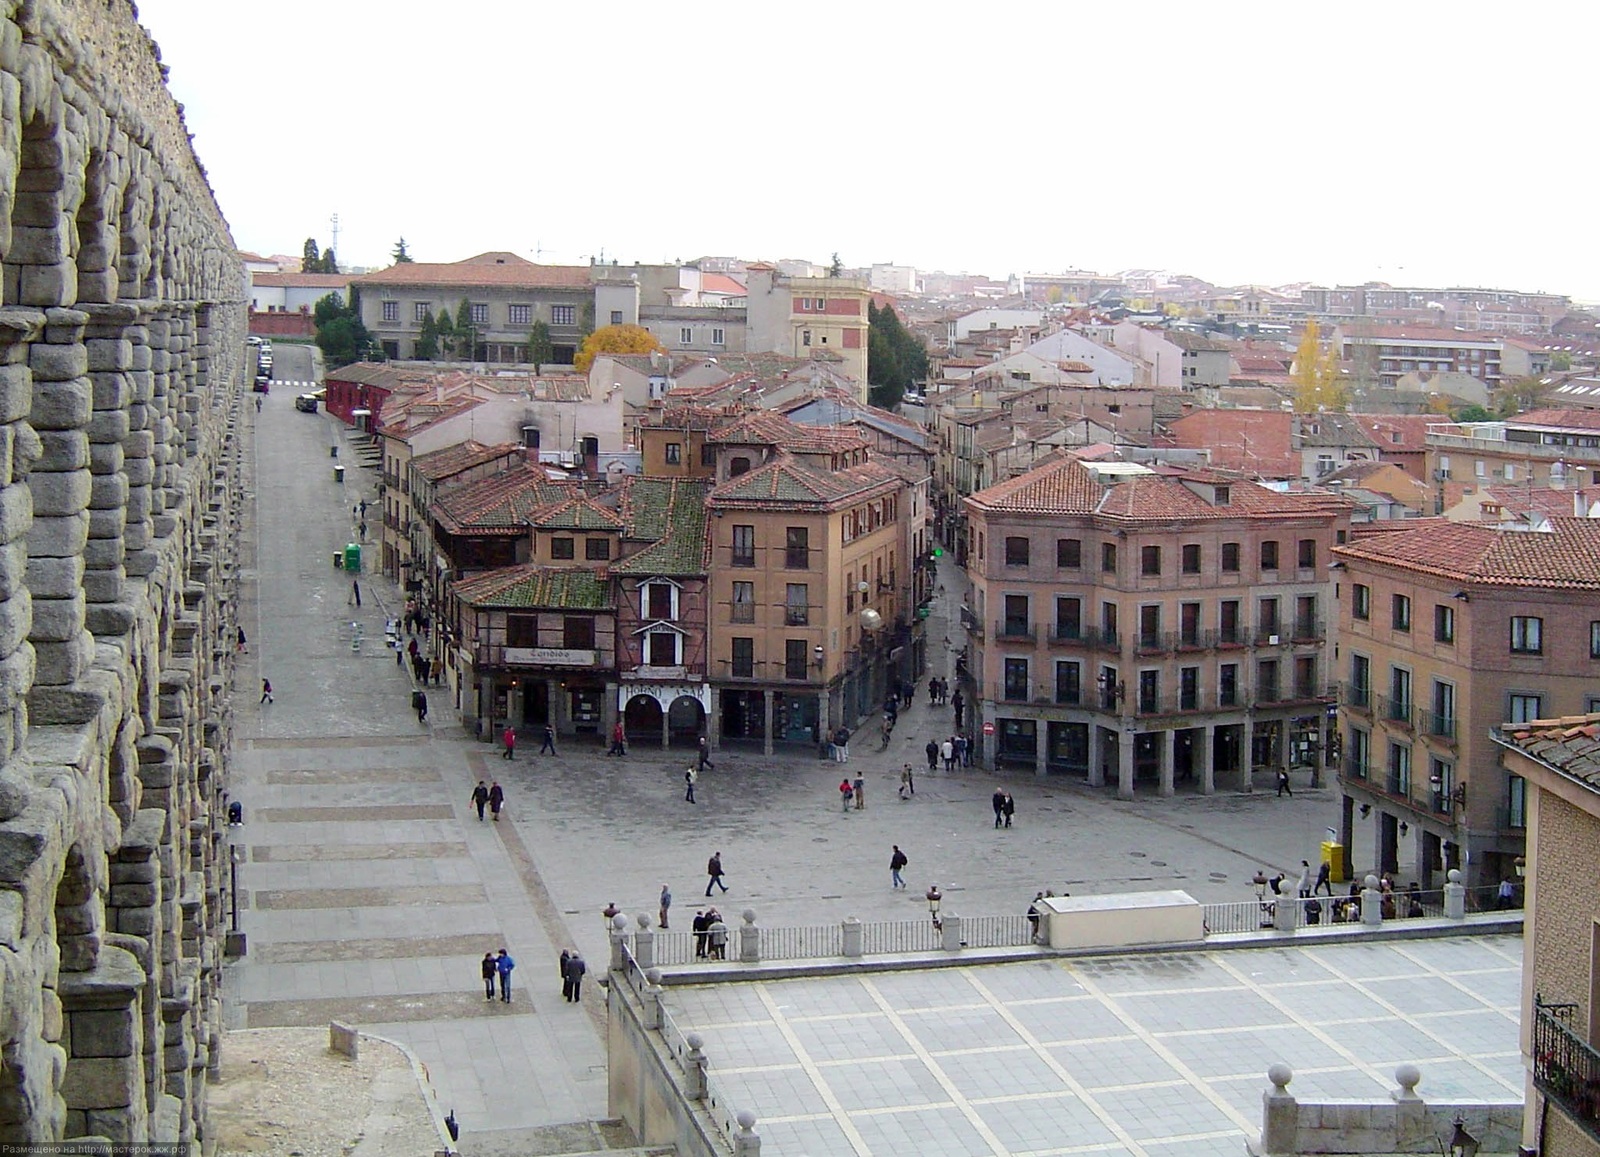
(577, 1139)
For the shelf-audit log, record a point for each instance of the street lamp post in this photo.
(933, 897)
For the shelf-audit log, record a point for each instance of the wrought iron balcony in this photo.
(1565, 1068)
(1357, 696)
(1066, 633)
(1015, 630)
(1308, 630)
(1438, 726)
(1355, 769)
(1395, 710)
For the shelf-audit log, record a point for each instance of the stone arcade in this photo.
(121, 349)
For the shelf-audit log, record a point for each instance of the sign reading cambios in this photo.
(549, 657)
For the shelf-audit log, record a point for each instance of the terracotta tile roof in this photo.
(1412, 428)
(462, 456)
(1570, 745)
(1569, 419)
(1256, 442)
(403, 417)
(721, 283)
(499, 270)
(673, 514)
(575, 511)
(499, 505)
(538, 587)
(1564, 557)
(1333, 430)
(786, 482)
(1062, 487)
(329, 281)
(768, 428)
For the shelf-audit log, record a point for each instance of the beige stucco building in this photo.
(795, 315)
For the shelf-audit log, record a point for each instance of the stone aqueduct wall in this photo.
(121, 346)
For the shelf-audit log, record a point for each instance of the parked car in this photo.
(262, 386)
(307, 403)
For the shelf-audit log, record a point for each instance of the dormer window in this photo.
(658, 600)
(1222, 495)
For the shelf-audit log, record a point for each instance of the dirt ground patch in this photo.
(284, 1093)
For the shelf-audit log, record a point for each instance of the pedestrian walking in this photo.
(549, 743)
(509, 738)
(561, 970)
(572, 970)
(948, 750)
(714, 870)
(861, 792)
(666, 903)
(1505, 896)
(699, 924)
(717, 933)
(1324, 872)
(259, 400)
(419, 704)
(480, 798)
(933, 692)
(998, 800)
(618, 736)
(1010, 808)
(1034, 914)
(841, 743)
(905, 782)
(956, 704)
(897, 860)
(689, 776)
(266, 690)
(361, 530)
(932, 751)
(1303, 890)
(705, 755)
(497, 799)
(241, 640)
(845, 792)
(963, 751)
(503, 965)
(1283, 783)
(355, 592)
(490, 970)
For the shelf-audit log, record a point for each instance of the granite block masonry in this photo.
(122, 314)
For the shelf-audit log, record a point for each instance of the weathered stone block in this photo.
(16, 393)
(62, 664)
(134, 895)
(49, 285)
(57, 620)
(103, 553)
(57, 363)
(61, 404)
(108, 426)
(108, 492)
(104, 457)
(62, 450)
(55, 537)
(107, 523)
(101, 1082)
(55, 578)
(55, 495)
(136, 921)
(109, 354)
(16, 512)
(110, 620)
(13, 567)
(38, 245)
(101, 587)
(16, 621)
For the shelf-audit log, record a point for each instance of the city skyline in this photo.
(1264, 150)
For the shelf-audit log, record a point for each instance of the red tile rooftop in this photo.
(1564, 557)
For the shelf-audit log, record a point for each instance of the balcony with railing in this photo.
(1153, 642)
(1102, 639)
(1356, 696)
(1152, 703)
(1437, 726)
(1309, 630)
(1395, 710)
(1066, 633)
(1015, 631)
(1397, 784)
(1232, 637)
(1356, 769)
(1565, 1067)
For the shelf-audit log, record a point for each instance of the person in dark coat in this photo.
(497, 799)
(700, 925)
(572, 976)
(932, 751)
(549, 743)
(503, 965)
(490, 970)
(1009, 809)
(998, 800)
(480, 798)
(566, 980)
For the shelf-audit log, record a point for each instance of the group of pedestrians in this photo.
(1004, 807)
(853, 791)
(508, 741)
(710, 935)
(493, 796)
(956, 751)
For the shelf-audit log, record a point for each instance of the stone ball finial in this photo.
(746, 1119)
(653, 975)
(619, 922)
(694, 1041)
(1453, 875)
(1371, 882)
(1280, 1075)
(748, 915)
(643, 920)
(1408, 1076)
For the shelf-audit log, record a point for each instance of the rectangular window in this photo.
(797, 609)
(1399, 694)
(1400, 769)
(419, 310)
(1016, 620)
(616, 317)
(1359, 760)
(1069, 554)
(658, 601)
(1228, 685)
(797, 548)
(794, 658)
(1108, 622)
(1269, 555)
(391, 311)
(1150, 628)
(1305, 677)
(1188, 688)
(708, 455)
(1150, 560)
(1016, 679)
(1267, 616)
(1400, 612)
(805, 337)
(1228, 623)
(744, 658)
(744, 546)
(1149, 692)
(597, 549)
(744, 603)
(663, 650)
(1108, 557)
(522, 630)
(1527, 635)
(1517, 803)
(1594, 639)
(1069, 686)
(685, 335)
(1360, 680)
(1069, 617)
(563, 315)
(519, 314)
(479, 312)
(1016, 551)
(563, 548)
(717, 336)
(577, 632)
(1188, 624)
(1307, 554)
(1191, 558)
(1444, 623)
(674, 453)
(1525, 708)
(1267, 681)
(1444, 710)
(1230, 558)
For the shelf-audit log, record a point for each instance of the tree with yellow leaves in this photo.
(615, 339)
(1316, 375)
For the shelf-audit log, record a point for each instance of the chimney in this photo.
(1579, 507)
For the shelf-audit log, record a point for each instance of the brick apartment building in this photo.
(1158, 628)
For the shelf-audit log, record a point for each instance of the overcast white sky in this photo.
(1404, 142)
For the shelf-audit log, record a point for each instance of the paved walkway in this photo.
(1144, 1055)
(371, 891)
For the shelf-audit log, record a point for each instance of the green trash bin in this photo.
(352, 558)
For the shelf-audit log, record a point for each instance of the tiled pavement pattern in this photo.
(1147, 1055)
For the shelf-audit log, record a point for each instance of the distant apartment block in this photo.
(797, 315)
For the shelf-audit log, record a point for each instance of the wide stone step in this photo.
(609, 1138)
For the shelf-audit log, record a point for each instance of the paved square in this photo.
(1145, 1055)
